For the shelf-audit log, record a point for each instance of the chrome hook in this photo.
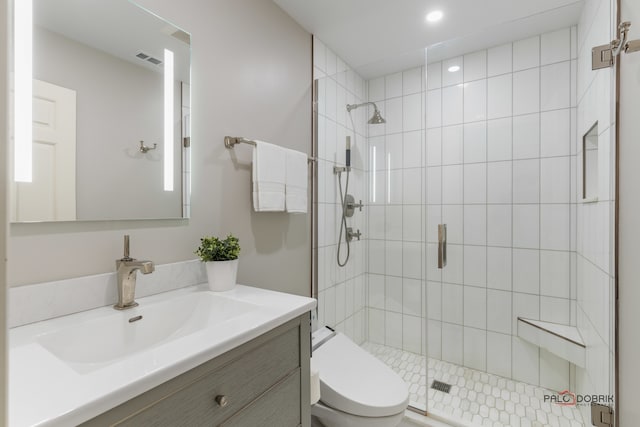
(145, 148)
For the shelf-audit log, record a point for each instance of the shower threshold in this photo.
(475, 398)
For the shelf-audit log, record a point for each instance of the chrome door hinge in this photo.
(604, 56)
(601, 415)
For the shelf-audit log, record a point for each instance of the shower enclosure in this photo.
(484, 274)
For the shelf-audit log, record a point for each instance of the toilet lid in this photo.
(355, 382)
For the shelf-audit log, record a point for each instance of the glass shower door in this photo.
(520, 318)
(395, 233)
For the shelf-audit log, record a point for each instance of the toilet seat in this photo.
(355, 382)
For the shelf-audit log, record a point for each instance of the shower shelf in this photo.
(562, 340)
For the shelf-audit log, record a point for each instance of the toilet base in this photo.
(315, 422)
(324, 416)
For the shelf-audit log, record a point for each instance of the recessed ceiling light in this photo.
(434, 16)
(453, 68)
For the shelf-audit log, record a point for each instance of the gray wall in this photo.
(108, 156)
(251, 77)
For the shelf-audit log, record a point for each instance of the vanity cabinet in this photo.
(264, 382)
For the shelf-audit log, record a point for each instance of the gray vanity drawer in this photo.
(278, 407)
(261, 380)
(240, 382)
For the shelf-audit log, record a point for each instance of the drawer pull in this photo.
(222, 400)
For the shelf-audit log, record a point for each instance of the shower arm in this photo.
(354, 106)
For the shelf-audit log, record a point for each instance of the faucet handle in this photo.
(126, 256)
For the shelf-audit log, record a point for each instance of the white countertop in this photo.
(45, 390)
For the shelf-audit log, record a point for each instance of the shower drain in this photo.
(440, 386)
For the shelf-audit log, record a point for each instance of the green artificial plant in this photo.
(215, 249)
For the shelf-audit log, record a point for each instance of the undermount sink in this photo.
(88, 345)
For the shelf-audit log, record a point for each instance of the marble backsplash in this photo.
(41, 301)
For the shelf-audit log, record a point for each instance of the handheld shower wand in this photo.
(347, 154)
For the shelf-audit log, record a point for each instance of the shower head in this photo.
(375, 119)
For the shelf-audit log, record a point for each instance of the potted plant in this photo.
(221, 261)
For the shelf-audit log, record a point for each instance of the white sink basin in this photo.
(113, 334)
(65, 371)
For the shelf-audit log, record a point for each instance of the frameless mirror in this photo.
(590, 164)
(107, 137)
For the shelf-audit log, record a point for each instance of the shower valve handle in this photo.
(352, 205)
(351, 234)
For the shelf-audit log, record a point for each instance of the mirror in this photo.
(590, 165)
(109, 124)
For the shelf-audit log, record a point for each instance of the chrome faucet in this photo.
(127, 268)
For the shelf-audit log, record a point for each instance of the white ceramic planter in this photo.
(221, 274)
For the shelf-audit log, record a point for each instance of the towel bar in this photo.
(231, 141)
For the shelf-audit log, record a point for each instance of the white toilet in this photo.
(356, 389)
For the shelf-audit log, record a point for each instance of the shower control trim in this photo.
(351, 234)
(351, 206)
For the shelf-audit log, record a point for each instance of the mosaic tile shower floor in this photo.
(476, 398)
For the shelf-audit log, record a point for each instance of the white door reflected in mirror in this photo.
(50, 196)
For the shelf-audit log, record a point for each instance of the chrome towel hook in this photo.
(145, 148)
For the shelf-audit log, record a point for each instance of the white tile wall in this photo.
(526, 91)
(499, 164)
(395, 211)
(526, 53)
(342, 290)
(526, 136)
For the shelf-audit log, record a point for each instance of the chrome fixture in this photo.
(351, 205)
(601, 415)
(222, 400)
(442, 245)
(231, 141)
(347, 201)
(127, 267)
(146, 148)
(351, 234)
(135, 319)
(375, 119)
(604, 56)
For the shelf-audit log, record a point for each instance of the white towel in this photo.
(296, 182)
(269, 174)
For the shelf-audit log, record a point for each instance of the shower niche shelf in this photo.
(562, 340)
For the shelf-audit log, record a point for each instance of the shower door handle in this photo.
(442, 245)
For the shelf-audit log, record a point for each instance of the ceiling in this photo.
(378, 37)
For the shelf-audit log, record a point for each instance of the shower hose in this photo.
(343, 222)
(343, 202)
